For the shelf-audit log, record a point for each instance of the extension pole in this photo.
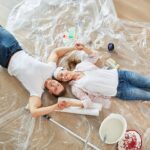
(72, 133)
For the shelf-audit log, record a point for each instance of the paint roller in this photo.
(92, 110)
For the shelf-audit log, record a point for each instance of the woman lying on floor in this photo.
(92, 84)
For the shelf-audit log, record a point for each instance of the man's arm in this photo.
(59, 52)
(36, 109)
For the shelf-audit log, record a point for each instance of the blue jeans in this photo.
(8, 47)
(133, 86)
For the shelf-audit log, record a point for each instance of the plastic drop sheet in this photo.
(39, 25)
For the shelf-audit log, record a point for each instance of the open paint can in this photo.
(113, 128)
(131, 141)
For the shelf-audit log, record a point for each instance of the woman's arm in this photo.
(94, 57)
(80, 94)
(81, 46)
(83, 99)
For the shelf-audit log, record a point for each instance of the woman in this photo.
(92, 84)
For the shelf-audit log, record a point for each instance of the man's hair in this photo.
(62, 93)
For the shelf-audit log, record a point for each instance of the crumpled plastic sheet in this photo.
(39, 26)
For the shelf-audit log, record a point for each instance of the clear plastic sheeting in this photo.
(39, 25)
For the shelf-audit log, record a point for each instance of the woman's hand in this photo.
(61, 105)
(64, 104)
(68, 103)
(79, 46)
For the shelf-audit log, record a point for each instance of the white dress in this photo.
(97, 85)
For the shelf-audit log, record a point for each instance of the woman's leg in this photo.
(135, 79)
(127, 91)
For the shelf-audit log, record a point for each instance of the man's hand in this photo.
(69, 103)
(79, 46)
(62, 105)
(36, 109)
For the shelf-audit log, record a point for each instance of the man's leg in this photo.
(8, 46)
(6, 38)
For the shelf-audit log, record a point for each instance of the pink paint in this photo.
(131, 141)
(64, 36)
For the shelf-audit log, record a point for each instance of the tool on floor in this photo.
(71, 132)
(92, 110)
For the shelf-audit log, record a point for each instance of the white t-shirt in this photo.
(31, 72)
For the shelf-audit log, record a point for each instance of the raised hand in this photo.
(79, 46)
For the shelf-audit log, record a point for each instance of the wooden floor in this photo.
(137, 114)
(133, 10)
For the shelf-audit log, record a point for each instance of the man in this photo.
(33, 74)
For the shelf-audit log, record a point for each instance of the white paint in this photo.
(113, 128)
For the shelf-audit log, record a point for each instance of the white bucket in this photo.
(113, 128)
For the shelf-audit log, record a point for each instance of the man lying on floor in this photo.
(33, 74)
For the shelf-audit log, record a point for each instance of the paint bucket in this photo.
(113, 128)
